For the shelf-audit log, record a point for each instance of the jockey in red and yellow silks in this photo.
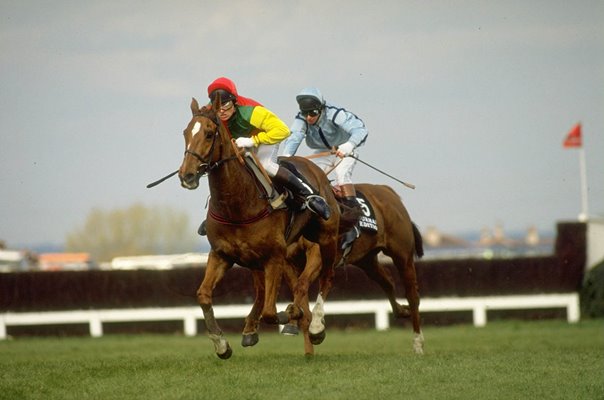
(251, 119)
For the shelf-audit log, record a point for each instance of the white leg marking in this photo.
(418, 343)
(220, 343)
(317, 324)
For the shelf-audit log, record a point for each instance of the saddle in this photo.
(275, 198)
(279, 197)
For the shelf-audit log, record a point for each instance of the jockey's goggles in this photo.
(226, 106)
(312, 113)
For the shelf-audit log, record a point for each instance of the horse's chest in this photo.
(243, 252)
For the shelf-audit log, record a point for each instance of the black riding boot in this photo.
(354, 232)
(315, 203)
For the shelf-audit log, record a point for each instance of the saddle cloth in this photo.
(367, 221)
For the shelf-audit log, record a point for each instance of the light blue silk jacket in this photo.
(334, 127)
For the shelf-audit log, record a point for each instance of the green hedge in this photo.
(592, 293)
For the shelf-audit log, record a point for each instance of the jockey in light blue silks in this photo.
(326, 127)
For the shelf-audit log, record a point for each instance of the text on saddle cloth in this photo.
(367, 221)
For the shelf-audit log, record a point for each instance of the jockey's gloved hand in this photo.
(345, 149)
(244, 142)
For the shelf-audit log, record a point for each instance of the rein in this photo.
(211, 166)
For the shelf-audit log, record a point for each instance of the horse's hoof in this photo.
(290, 330)
(402, 312)
(227, 354)
(317, 338)
(249, 339)
(282, 318)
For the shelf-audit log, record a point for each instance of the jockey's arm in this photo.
(353, 126)
(271, 129)
(290, 146)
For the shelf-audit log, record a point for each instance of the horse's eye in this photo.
(209, 134)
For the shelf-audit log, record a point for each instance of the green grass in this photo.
(505, 360)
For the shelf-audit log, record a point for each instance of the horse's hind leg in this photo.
(252, 321)
(383, 277)
(409, 277)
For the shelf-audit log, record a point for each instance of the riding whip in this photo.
(409, 185)
(157, 182)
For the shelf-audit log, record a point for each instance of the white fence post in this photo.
(572, 309)
(2, 329)
(382, 321)
(190, 325)
(96, 327)
(479, 315)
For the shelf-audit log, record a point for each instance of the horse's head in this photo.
(203, 147)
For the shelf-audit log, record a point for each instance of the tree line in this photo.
(132, 231)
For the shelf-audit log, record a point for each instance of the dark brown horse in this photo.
(390, 230)
(243, 228)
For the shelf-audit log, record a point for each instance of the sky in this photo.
(468, 100)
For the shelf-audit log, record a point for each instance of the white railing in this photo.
(380, 308)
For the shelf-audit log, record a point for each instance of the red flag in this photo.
(573, 138)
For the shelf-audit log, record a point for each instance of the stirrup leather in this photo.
(276, 200)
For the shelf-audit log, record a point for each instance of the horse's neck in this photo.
(234, 192)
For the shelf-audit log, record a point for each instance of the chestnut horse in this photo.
(243, 228)
(393, 233)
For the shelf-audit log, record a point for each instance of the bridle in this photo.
(207, 163)
(212, 165)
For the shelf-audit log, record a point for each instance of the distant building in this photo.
(15, 260)
(165, 261)
(65, 261)
(435, 238)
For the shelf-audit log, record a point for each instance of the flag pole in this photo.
(574, 140)
(584, 210)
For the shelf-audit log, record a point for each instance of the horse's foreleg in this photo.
(272, 282)
(252, 321)
(215, 271)
(291, 328)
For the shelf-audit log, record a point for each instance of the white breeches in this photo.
(267, 155)
(343, 167)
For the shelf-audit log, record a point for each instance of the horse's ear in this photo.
(194, 106)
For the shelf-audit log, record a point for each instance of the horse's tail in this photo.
(419, 242)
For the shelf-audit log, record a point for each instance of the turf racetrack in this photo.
(504, 360)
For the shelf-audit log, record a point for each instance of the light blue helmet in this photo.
(310, 99)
